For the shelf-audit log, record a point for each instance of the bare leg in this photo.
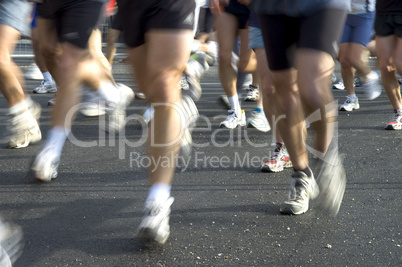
(9, 73)
(112, 36)
(226, 25)
(314, 79)
(386, 47)
(163, 73)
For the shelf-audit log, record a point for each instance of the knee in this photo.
(225, 57)
(4, 63)
(345, 62)
(49, 51)
(164, 88)
(386, 68)
(268, 93)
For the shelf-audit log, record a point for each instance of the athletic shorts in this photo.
(283, 35)
(358, 28)
(386, 25)
(117, 23)
(34, 15)
(255, 38)
(206, 21)
(74, 19)
(16, 15)
(140, 16)
(240, 11)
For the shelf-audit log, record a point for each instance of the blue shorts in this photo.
(34, 16)
(358, 28)
(15, 14)
(255, 38)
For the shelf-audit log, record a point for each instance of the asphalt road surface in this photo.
(226, 212)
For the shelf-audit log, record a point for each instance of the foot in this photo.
(302, 189)
(278, 161)
(23, 129)
(46, 164)
(91, 105)
(117, 111)
(46, 87)
(155, 223)
(395, 122)
(371, 85)
(233, 120)
(253, 93)
(258, 120)
(350, 104)
(332, 183)
(191, 115)
(339, 85)
(11, 243)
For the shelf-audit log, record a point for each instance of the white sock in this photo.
(29, 102)
(159, 191)
(234, 103)
(109, 92)
(18, 108)
(353, 96)
(57, 137)
(47, 76)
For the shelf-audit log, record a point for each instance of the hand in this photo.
(215, 6)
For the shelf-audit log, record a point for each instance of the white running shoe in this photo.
(46, 164)
(148, 114)
(278, 160)
(332, 183)
(23, 129)
(339, 85)
(11, 243)
(51, 102)
(33, 72)
(253, 93)
(372, 87)
(155, 223)
(117, 111)
(232, 120)
(140, 96)
(91, 105)
(191, 115)
(258, 120)
(302, 189)
(333, 77)
(350, 104)
(46, 87)
(395, 122)
(190, 82)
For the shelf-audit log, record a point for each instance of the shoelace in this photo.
(250, 90)
(395, 117)
(276, 153)
(298, 190)
(232, 115)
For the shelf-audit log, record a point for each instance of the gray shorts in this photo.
(255, 38)
(16, 14)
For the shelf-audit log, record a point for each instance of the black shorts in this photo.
(240, 11)
(140, 16)
(206, 21)
(283, 35)
(74, 19)
(386, 25)
(117, 22)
